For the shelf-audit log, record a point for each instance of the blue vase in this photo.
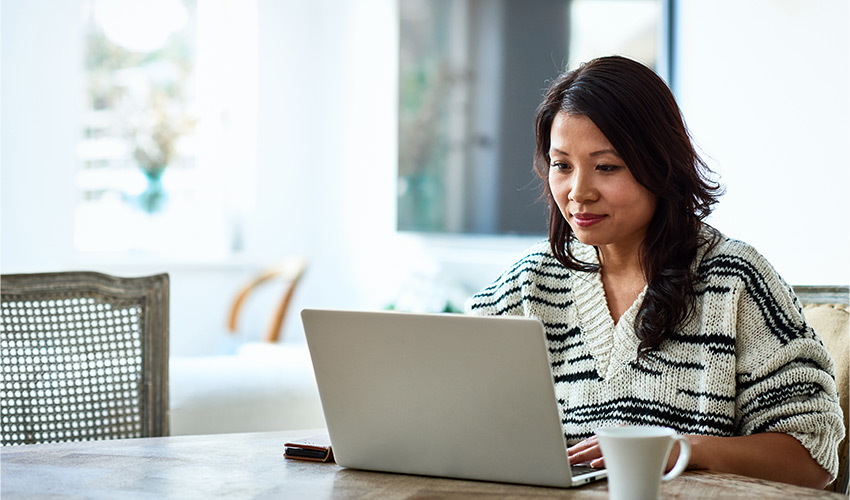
(153, 197)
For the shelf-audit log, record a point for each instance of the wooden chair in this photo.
(290, 272)
(827, 310)
(265, 383)
(84, 357)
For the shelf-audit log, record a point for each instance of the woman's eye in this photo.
(608, 168)
(560, 166)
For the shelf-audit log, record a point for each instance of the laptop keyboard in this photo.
(578, 470)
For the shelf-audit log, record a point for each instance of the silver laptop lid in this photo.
(439, 394)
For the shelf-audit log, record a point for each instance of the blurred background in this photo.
(388, 142)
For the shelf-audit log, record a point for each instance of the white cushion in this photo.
(262, 387)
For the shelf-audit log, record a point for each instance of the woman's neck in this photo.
(619, 261)
(622, 278)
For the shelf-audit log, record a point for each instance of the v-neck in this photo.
(612, 344)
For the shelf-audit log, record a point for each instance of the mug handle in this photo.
(682, 461)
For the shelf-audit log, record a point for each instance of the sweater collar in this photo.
(612, 344)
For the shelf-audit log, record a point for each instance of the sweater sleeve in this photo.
(785, 375)
(505, 296)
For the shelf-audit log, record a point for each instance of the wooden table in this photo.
(252, 466)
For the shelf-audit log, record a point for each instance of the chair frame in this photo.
(153, 292)
(289, 271)
(823, 294)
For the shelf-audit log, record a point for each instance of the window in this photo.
(471, 74)
(168, 153)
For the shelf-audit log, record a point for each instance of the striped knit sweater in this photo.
(745, 363)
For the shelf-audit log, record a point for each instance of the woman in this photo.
(652, 317)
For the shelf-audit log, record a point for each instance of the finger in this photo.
(583, 445)
(585, 455)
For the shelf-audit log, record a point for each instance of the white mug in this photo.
(635, 457)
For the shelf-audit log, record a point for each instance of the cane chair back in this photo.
(84, 357)
(827, 312)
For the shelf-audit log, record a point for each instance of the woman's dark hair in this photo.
(638, 114)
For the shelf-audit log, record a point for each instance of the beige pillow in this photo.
(832, 324)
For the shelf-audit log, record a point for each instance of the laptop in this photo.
(445, 395)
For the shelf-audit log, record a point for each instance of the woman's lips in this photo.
(587, 220)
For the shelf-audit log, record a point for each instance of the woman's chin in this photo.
(587, 237)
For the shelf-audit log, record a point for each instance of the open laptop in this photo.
(440, 395)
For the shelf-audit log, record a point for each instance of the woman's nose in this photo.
(583, 189)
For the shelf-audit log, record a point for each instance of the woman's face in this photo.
(594, 189)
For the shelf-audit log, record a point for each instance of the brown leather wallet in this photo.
(314, 448)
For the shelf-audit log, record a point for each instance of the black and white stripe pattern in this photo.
(746, 361)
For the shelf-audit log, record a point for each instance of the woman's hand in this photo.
(588, 451)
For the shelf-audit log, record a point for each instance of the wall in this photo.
(765, 88)
(326, 150)
(39, 111)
